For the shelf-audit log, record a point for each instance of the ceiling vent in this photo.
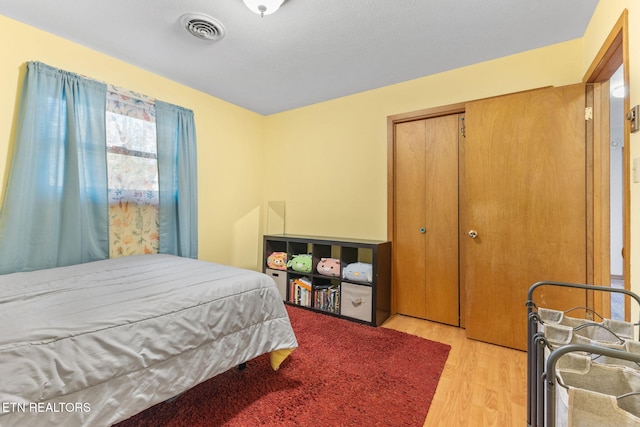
(203, 27)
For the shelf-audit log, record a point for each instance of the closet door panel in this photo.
(441, 219)
(409, 206)
(524, 193)
(426, 219)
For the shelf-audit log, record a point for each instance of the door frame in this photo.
(612, 54)
(427, 113)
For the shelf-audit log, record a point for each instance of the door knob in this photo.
(423, 230)
(473, 234)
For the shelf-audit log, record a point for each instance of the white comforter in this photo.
(107, 339)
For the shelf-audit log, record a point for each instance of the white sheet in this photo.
(114, 337)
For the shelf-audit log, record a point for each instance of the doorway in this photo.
(611, 239)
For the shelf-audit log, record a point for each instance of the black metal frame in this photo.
(538, 396)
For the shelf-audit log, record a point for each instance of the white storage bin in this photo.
(356, 301)
(280, 277)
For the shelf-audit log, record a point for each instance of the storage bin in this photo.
(280, 277)
(356, 301)
(620, 328)
(589, 394)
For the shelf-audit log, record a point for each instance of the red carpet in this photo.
(342, 374)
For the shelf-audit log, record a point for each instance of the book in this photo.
(300, 291)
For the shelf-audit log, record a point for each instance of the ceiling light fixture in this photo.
(263, 7)
(618, 91)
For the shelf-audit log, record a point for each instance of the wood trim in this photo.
(390, 162)
(462, 288)
(390, 203)
(611, 53)
(427, 113)
(599, 179)
(592, 237)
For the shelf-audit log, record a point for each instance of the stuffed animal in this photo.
(358, 272)
(277, 261)
(329, 267)
(301, 263)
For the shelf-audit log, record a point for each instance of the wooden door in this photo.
(523, 191)
(426, 219)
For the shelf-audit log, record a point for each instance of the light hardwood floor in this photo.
(481, 384)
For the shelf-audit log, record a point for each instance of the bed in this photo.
(95, 343)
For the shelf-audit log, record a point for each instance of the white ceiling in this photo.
(310, 50)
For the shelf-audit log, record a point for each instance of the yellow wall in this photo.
(229, 138)
(329, 161)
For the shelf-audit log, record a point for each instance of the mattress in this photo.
(95, 343)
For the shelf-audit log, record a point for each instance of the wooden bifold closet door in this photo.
(426, 219)
(523, 190)
(485, 204)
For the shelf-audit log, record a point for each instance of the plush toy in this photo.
(277, 261)
(358, 272)
(329, 267)
(301, 263)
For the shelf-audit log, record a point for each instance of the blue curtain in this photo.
(54, 212)
(178, 211)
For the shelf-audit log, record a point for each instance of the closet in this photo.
(485, 202)
(426, 218)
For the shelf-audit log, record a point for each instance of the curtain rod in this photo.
(111, 87)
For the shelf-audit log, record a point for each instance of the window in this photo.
(132, 174)
(67, 205)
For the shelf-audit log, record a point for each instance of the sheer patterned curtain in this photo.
(177, 169)
(54, 211)
(132, 171)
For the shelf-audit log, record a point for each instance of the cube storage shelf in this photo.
(365, 301)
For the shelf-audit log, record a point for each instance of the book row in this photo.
(323, 297)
